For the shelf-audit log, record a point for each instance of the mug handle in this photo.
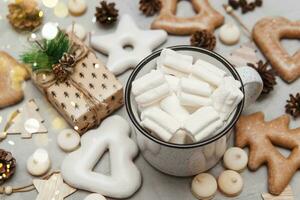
(252, 83)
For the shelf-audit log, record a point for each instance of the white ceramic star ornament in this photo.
(128, 45)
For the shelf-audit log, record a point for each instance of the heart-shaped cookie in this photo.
(12, 75)
(267, 33)
(206, 18)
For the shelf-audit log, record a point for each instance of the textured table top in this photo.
(155, 184)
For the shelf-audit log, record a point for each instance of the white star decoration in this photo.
(52, 189)
(128, 45)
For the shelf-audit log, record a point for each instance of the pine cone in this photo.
(258, 3)
(24, 16)
(7, 165)
(234, 4)
(64, 68)
(293, 105)
(203, 39)
(150, 7)
(107, 13)
(267, 75)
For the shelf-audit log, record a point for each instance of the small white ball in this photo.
(95, 197)
(204, 186)
(78, 29)
(235, 159)
(68, 140)
(39, 162)
(229, 34)
(77, 7)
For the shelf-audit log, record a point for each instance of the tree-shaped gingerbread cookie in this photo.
(261, 137)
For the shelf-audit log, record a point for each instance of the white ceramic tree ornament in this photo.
(27, 121)
(128, 45)
(125, 177)
(52, 189)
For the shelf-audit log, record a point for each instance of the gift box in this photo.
(88, 95)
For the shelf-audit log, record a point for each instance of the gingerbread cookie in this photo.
(206, 18)
(267, 34)
(260, 136)
(12, 75)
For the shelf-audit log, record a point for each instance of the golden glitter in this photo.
(1, 165)
(8, 166)
(41, 14)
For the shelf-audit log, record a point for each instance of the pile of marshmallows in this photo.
(184, 102)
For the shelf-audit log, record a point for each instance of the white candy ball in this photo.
(204, 186)
(229, 34)
(95, 197)
(230, 183)
(68, 140)
(77, 7)
(78, 29)
(38, 163)
(235, 159)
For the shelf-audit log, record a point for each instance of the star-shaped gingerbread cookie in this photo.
(128, 45)
(53, 188)
(206, 18)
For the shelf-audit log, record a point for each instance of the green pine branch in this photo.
(43, 56)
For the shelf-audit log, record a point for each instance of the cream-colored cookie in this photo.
(77, 7)
(229, 34)
(204, 186)
(230, 183)
(235, 159)
(68, 140)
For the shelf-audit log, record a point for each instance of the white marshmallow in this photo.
(195, 87)
(171, 62)
(150, 88)
(207, 72)
(203, 122)
(173, 82)
(149, 81)
(153, 95)
(182, 137)
(160, 122)
(227, 96)
(157, 130)
(172, 106)
(191, 100)
(194, 93)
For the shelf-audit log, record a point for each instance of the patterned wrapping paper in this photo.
(99, 95)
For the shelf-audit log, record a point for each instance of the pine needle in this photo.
(42, 58)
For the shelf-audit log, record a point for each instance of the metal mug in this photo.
(190, 159)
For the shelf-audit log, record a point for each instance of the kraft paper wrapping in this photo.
(100, 93)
